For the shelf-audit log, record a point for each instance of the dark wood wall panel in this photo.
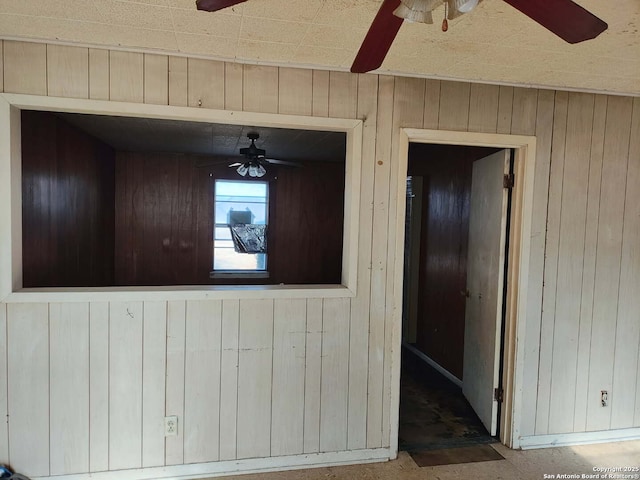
(67, 204)
(446, 172)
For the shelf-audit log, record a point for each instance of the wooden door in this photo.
(485, 283)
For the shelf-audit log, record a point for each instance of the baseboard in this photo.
(432, 363)
(580, 438)
(235, 467)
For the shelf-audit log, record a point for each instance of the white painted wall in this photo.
(85, 383)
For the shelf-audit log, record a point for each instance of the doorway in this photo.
(455, 240)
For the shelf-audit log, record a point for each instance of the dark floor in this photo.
(433, 412)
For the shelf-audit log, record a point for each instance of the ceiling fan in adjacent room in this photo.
(564, 18)
(255, 162)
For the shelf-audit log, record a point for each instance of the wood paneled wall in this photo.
(67, 205)
(581, 333)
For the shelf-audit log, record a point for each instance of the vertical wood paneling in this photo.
(125, 385)
(254, 378)
(202, 381)
(260, 89)
(295, 91)
(154, 349)
(205, 83)
(98, 386)
(505, 108)
(313, 375)
(570, 262)
(4, 426)
(531, 348)
(229, 379)
(126, 76)
(589, 266)
(69, 389)
(233, 86)
(343, 94)
(178, 81)
(431, 104)
(28, 399)
(483, 108)
(335, 375)
(67, 71)
(98, 74)
(624, 392)
(320, 106)
(454, 106)
(156, 79)
(525, 104)
(551, 261)
(359, 333)
(1, 65)
(176, 324)
(608, 259)
(25, 67)
(287, 411)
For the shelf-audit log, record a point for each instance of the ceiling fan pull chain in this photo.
(445, 23)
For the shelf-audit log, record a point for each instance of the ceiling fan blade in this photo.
(376, 44)
(215, 5)
(236, 164)
(566, 19)
(281, 162)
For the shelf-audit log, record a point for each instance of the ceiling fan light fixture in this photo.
(465, 6)
(256, 170)
(243, 170)
(418, 11)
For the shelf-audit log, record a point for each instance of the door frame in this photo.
(524, 148)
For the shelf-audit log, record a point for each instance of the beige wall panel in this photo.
(156, 79)
(359, 334)
(287, 411)
(589, 266)
(431, 104)
(25, 67)
(335, 375)
(408, 106)
(28, 384)
(1, 65)
(178, 81)
(531, 349)
(454, 106)
(260, 89)
(343, 94)
(551, 262)
(202, 381)
(126, 76)
(575, 184)
(320, 106)
(625, 370)
(313, 374)
(233, 86)
(379, 262)
(295, 91)
(68, 393)
(505, 109)
(229, 379)
(483, 108)
(525, 104)
(98, 386)
(4, 427)
(154, 350)
(98, 74)
(174, 394)
(608, 259)
(125, 385)
(67, 71)
(205, 83)
(254, 378)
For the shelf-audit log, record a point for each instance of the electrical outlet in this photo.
(604, 398)
(171, 426)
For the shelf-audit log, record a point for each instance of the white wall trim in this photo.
(250, 465)
(581, 438)
(435, 365)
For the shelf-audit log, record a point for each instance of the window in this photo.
(238, 202)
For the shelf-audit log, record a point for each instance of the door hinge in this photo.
(498, 395)
(509, 180)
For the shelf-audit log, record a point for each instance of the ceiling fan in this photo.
(255, 162)
(564, 18)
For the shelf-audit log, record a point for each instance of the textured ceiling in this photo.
(495, 43)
